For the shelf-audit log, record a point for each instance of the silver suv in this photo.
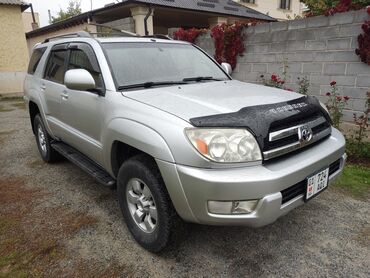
(165, 124)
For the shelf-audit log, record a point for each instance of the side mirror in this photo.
(227, 67)
(79, 79)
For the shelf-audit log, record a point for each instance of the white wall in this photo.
(272, 8)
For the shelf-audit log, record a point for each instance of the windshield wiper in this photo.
(150, 84)
(200, 78)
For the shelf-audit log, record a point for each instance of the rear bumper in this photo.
(264, 182)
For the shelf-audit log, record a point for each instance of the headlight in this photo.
(225, 145)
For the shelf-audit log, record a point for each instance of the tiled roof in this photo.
(24, 5)
(222, 7)
(226, 7)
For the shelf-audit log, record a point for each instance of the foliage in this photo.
(356, 144)
(355, 180)
(344, 6)
(336, 104)
(228, 39)
(357, 154)
(320, 7)
(294, 17)
(274, 81)
(363, 49)
(304, 85)
(73, 9)
(189, 35)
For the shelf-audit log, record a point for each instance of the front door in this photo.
(82, 112)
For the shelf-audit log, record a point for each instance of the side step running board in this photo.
(84, 163)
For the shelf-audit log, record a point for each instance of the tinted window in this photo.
(78, 59)
(55, 67)
(35, 59)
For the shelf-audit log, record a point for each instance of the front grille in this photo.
(286, 138)
(300, 188)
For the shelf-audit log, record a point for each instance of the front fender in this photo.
(136, 135)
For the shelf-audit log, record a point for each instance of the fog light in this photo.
(233, 207)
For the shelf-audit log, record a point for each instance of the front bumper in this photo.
(191, 188)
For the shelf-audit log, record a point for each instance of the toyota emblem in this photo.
(305, 134)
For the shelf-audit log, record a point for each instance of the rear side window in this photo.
(35, 59)
(55, 67)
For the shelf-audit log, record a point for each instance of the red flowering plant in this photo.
(343, 6)
(228, 39)
(363, 49)
(189, 35)
(274, 81)
(336, 104)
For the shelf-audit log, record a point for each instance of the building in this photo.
(30, 21)
(13, 47)
(155, 16)
(279, 9)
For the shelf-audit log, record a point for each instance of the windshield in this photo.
(142, 63)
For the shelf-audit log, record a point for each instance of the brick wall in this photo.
(319, 48)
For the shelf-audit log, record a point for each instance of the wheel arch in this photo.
(127, 138)
(33, 111)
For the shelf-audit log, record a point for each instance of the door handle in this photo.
(64, 95)
(43, 87)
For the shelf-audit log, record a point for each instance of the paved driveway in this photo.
(329, 237)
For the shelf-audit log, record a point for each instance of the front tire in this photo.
(145, 204)
(43, 139)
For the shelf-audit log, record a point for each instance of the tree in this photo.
(73, 9)
(319, 7)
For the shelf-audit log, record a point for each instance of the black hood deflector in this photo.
(262, 119)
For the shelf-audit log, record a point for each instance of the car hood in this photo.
(210, 98)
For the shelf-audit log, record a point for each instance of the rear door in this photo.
(52, 86)
(82, 112)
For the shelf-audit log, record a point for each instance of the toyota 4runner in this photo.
(166, 125)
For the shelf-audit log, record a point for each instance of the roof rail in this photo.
(117, 33)
(158, 36)
(80, 34)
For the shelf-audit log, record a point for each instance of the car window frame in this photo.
(56, 48)
(37, 64)
(91, 56)
(193, 45)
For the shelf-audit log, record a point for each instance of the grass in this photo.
(355, 181)
(19, 105)
(11, 98)
(10, 103)
(32, 241)
(4, 109)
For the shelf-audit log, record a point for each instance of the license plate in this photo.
(317, 183)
